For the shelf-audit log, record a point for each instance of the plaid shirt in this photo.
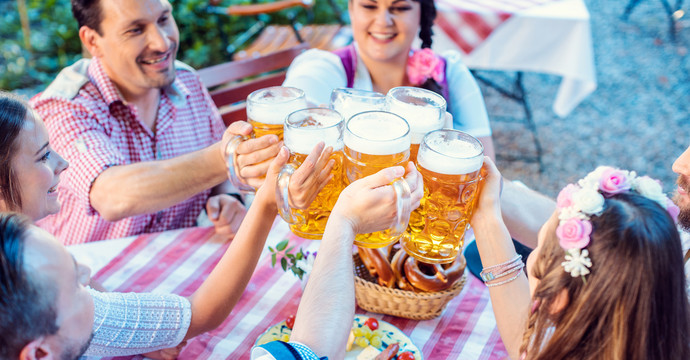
(92, 126)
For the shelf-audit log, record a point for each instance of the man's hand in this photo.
(226, 214)
(166, 354)
(253, 156)
(369, 204)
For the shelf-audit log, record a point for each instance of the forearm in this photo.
(510, 301)
(146, 187)
(327, 307)
(524, 212)
(221, 291)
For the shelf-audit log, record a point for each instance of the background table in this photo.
(178, 261)
(551, 37)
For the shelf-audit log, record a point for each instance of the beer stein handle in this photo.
(282, 194)
(233, 172)
(404, 206)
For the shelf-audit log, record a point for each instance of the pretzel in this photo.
(397, 263)
(376, 260)
(433, 277)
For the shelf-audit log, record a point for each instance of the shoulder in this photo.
(454, 64)
(69, 82)
(316, 58)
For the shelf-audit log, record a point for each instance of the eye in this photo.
(401, 8)
(134, 31)
(45, 156)
(163, 19)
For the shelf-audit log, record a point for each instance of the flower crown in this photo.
(577, 203)
(424, 64)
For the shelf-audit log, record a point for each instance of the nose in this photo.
(158, 39)
(61, 164)
(682, 164)
(384, 17)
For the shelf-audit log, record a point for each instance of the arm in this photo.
(510, 301)
(317, 73)
(365, 206)
(524, 212)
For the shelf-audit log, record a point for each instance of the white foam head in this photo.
(271, 105)
(307, 127)
(450, 152)
(424, 110)
(349, 102)
(377, 133)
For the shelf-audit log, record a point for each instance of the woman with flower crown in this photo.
(606, 280)
(382, 58)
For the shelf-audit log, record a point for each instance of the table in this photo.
(178, 261)
(551, 37)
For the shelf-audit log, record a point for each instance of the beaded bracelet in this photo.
(519, 271)
(499, 270)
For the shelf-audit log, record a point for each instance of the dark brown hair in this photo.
(88, 13)
(13, 113)
(633, 304)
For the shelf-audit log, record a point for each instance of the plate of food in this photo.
(369, 338)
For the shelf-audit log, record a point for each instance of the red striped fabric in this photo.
(469, 23)
(178, 261)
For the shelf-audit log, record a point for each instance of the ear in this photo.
(560, 302)
(37, 350)
(90, 40)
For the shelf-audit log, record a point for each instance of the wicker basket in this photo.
(373, 297)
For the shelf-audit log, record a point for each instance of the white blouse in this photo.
(137, 323)
(318, 72)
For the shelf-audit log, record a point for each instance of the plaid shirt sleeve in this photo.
(77, 134)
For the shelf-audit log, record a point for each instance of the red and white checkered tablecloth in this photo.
(469, 22)
(178, 261)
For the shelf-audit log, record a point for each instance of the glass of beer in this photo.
(349, 102)
(449, 161)
(423, 109)
(375, 140)
(303, 130)
(266, 112)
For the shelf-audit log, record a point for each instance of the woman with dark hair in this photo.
(382, 58)
(606, 280)
(29, 169)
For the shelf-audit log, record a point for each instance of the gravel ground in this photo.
(637, 119)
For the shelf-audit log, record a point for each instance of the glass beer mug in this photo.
(375, 140)
(303, 130)
(266, 112)
(349, 102)
(423, 109)
(450, 163)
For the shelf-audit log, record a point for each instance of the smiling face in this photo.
(384, 29)
(51, 265)
(137, 45)
(37, 169)
(682, 196)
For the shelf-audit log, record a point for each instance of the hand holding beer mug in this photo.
(304, 130)
(423, 109)
(266, 112)
(348, 101)
(450, 162)
(375, 140)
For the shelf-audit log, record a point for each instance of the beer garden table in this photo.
(178, 261)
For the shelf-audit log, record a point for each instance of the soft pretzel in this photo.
(398, 263)
(433, 277)
(376, 260)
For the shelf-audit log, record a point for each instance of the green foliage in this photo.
(289, 260)
(55, 41)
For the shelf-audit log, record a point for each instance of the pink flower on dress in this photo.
(614, 181)
(565, 197)
(672, 209)
(422, 65)
(574, 233)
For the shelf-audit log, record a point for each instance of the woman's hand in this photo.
(490, 188)
(311, 177)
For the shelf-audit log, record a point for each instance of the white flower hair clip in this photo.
(576, 204)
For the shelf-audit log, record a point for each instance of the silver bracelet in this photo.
(519, 271)
(502, 269)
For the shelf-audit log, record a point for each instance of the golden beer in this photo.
(304, 129)
(267, 109)
(423, 109)
(450, 162)
(375, 140)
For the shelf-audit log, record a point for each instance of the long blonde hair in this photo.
(633, 304)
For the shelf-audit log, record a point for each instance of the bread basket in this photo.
(375, 298)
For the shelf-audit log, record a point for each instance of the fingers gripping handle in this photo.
(233, 171)
(282, 194)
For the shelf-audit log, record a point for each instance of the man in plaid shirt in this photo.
(142, 135)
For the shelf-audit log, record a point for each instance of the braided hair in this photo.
(426, 22)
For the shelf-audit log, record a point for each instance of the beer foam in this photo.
(349, 102)
(274, 113)
(374, 134)
(302, 137)
(421, 116)
(450, 156)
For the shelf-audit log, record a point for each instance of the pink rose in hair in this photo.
(614, 181)
(574, 233)
(672, 209)
(422, 65)
(565, 197)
